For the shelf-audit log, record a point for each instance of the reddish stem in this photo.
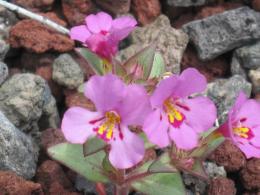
(100, 188)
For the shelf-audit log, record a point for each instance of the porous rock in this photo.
(18, 152)
(223, 32)
(170, 42)
(67, 72)
(25, 99)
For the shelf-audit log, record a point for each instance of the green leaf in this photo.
(160, 183)
(140, 65)
(210, 141)
(158, 68)
(199, 170)
(162, 165)
(71, 155)
(94, 61)
(93, 145)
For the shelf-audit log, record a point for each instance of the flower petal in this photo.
(106, 92)
(79, 33)
(126, 152)
(197, 117)
(135, 106)
(249, 150)
(75, 124)
(156, 128)
(163, 91)
(190, 81)
(250, 110)
(184, 137)
(124, 22)
(99, 22)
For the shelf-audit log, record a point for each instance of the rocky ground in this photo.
(39, 74)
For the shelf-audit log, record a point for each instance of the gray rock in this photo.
(3, 72)
(223, 32)
(254, 76)
(186, 3)
(4, 48)
(170, 42)
(223, 92)
(7, 19)
(18, 152)
(25, 99)
(194, 184)
(213, 170)
(67, 72)
(249, 56)
(236, 67)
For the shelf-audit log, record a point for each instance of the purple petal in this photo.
(106, 92)
(79, 33)
(250, 112)
(124, 22)
(256, 139)
(184, 137)
(249, 150)
(99, 22)
(197, 117)
(102, 45)
(135, 106)
(190, 81)
(163, 91)
(126, 152)
(156, 128)
(75, 124)
(119, 34)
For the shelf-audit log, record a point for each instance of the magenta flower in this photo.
(117, 107)
(177, 117)
(243, 125)
(102, 34)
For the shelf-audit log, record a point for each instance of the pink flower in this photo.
(176, 116)
(243, 125)
(102, 34)
(117, 107)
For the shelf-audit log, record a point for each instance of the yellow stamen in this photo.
(173, 114)
(241, 131)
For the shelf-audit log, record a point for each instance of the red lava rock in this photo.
(229, 156)
(183, 19)
(53, 179)
(218, 67)
(74, 98)
(222, 186)
(39, 38)
(114, 6)
(146, 11)
(217, 9)
(75, 11)
(51, 137)
(250, 174)
(256, 5)
(46, 73)
(13, 71)
(11, 184)
(35, 5)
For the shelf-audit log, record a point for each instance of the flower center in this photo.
(175, 117)
(104, 32)
(106, 130)
(243, 132)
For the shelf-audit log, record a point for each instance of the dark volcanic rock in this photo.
(75, 11)
(250, 174)
(114, 6)
(229, 156)
(186, 3)
(146, 10)
(18, 152)
(221, 186)
(11, 184)
(223, 32)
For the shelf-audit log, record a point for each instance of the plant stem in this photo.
(34, 16)
(121, 190)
